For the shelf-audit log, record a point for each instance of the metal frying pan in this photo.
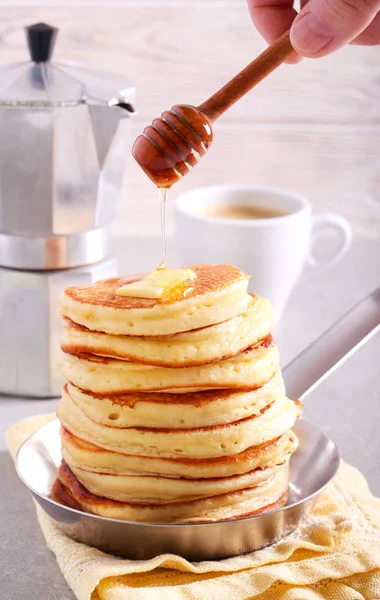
(312, 467)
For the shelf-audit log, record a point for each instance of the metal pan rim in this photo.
(197, 524)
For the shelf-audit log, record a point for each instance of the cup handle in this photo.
(342, 228)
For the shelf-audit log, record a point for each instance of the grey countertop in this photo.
(346, 406)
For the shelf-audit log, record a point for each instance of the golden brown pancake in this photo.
(153, 489)
(191, 348)
(86, 455)
(268, 496)
(210, 278)
(177, 411)
(218, 293)
(202, 442)
(251, 368)
(60, 493)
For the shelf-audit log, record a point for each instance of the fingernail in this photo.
(309, 34)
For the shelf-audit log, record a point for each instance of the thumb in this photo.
(323, 26)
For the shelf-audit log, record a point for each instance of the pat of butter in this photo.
(155, 284)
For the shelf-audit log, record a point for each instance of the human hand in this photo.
(321, 27)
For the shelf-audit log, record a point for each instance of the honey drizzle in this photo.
(162, 195)
(182, 290)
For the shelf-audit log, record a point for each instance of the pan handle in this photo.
(313, 365)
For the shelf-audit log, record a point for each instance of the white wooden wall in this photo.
(314, 127)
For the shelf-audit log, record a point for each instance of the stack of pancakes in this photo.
(175, 410)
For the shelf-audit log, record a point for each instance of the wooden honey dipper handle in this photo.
(244, 81)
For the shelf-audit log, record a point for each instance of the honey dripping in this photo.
(183, 289)
(162, 196)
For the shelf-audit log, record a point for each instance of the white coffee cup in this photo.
(272, 250)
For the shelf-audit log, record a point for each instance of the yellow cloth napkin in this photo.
(334, 555)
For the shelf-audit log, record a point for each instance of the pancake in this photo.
(87, 456)
(60, 493)
(192, 348)
(205, 442)
(175, 408)
(177, 411)
(269, 495)
(148, 489)
(251, 368)
(218, 293)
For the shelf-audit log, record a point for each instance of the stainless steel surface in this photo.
(30, 357)
(312, 467)
(71, 185)
(59, 252)
(61, 84)
(310, 368)
(65, 141)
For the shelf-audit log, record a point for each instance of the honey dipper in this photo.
(169, 147)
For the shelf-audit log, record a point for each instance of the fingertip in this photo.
(294, 59)
(310, 35)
